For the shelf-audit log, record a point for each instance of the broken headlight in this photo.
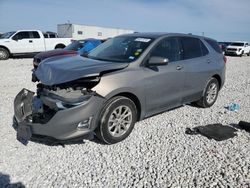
(68, 104)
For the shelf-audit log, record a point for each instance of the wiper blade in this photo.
(102, 59)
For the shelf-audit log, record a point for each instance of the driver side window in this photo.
(167, 48)
(21, 35)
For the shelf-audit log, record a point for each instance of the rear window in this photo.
(191, 47)
(214, 44)
(204, 49)
(237, 44)
(35, 34)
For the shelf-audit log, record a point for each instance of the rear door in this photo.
(22, 42)
(164, 83)
(37, 41)
(197, 67)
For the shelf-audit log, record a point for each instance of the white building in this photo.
(76, 31)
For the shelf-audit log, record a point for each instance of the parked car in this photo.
(124, 80)
(28, 42)
(81, 47)
(224, 45)
(238, 48)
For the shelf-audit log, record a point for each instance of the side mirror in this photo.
(157, 61)
(16, 38)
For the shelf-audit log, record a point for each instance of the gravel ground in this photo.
(157, 154)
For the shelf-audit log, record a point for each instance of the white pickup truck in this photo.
(238, 48)
(27, 42)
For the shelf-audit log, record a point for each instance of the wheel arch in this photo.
(135, 99)
(218, 78)
(5, 48)
(60, 45)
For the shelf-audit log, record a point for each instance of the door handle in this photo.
(208, 61)
(30, 41)
(179, 67)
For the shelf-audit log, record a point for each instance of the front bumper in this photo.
(62, 124)
(228, 52)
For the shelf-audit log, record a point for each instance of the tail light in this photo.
(225, 59)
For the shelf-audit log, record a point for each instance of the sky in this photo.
(223, 20)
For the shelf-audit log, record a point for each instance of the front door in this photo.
(164, 83)
(22, 42)
(38, 42)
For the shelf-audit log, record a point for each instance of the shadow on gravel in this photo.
(217, 132)
(5, 182)
(193, 104)
(54, 142)
(23, 56)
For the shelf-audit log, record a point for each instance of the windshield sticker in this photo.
(142, 40)
(131, 57)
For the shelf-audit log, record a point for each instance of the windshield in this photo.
(7, 35)
(76, 45)
(237, 44)
(121, 49)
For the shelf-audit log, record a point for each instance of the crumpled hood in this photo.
(59, 69)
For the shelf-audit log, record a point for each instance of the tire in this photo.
(109, 125)
(242, 53)
(4, 54)
(248, 53)
(210, 94)
(59, 46)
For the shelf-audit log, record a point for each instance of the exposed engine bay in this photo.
(50, 99)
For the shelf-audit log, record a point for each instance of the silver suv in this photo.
(122, 81)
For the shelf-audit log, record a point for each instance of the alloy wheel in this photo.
(211, 93)
(119, 121)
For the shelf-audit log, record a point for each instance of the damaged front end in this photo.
(62, 111)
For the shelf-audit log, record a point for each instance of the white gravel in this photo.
(157, 154)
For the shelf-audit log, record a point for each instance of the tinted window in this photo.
(214, 44)
(204, 49)
(35, 34)
(22, 35)
(168, 48)
(45, 35)
(52, 36)
(191, 47)
(237, 44)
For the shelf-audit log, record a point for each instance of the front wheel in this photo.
(210, 93)
(117, 120)
(4, 54)
(242, 53)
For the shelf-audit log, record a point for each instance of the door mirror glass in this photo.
(157, 61)
(16, 37)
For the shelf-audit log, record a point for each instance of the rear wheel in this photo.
(4, 54)
(210, 93)
(117, 120)
(59, 46)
